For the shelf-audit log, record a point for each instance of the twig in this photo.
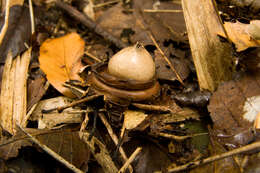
(85, 122)
(92, 56)
(152, 107)
(106, 3)
(249, 147)
(157, 11)
(61, 108)
(120, 140)
(141, 23)
(179, 138)
(31, 16)
(26, 118)
(129, 161)
(114, 138)
(5, 25)
(51, 152)
(90, 24)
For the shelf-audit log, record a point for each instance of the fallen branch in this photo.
(193, 164)
(90, 24)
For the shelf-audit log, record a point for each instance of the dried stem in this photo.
(179, 138)
(141, 23)
(158, 11)
(129, 161)
(92, 56)
(152, 107)
(106, 3)
(32, 16)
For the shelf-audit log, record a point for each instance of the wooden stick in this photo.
(240, 150)
(61, 108)
(115, 139)
(152, 107)
(212, 58)
(131, 158)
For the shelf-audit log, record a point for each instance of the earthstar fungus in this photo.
(129, 76)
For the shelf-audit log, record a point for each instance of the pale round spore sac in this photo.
(132, 63)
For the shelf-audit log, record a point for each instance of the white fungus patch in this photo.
(251, 108)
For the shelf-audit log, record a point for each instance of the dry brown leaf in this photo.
(60, 60)
(13, 145)
(254, 29)
(133, 118)
(233, 109)
(238, 34)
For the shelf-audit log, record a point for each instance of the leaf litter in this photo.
(165, 129)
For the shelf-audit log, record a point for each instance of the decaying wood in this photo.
(102, 157)
(14, 91)
(6, 107)
(20, 86)
(212, 58)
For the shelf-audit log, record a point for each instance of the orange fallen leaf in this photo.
(238, 34)
(60, 60)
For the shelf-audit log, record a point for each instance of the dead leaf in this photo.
(238, 34)
(37, 87)
(151, 159)
(165, 73)
(254, 29)
(233, 109)
(133, 118)
(11, 149)
(65, 143)
(60, 60)
(162, 25)
(18, 33)
(89, 10)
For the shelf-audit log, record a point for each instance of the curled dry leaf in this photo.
(60, 60)
(238, 34)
